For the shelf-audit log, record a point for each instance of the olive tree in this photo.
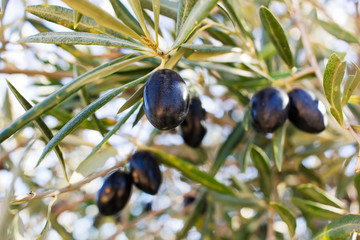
(179, 119)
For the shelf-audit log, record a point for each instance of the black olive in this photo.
(306, 112)
(145, 171)
(166, 99)
(114, 193)
(192, 128)
(269, 109)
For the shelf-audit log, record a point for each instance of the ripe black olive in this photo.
(114, 193)
(192, 128)
(145, 171)
(166, 99)
(269, 109)
(306, 112)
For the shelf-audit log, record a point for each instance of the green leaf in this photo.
(225, 68)
(83, 38)
(208, 48)
(47, 224)
(357, 185)
(286, 215)
(318, 210)
(192, 172)
(245, 154)
(340, 228)
(66, 91)
(102, 17)
(124, 15)
(199, 11)
(112, 132)
(168, 8)
(220, 57)
(262, 164)
(77, 18)
(138, 10)
(92, 163)
(352, 82)
(278, 146)
(184, 9)
(315, 193)
(338, 32)
(228, 146)
(133, 99)
(239, 200)
(85, 113)
(156, 7)
(333, 75)
(276, 34)
(139, 115)
(46, 132)
(65, 17)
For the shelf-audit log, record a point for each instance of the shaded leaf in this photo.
(43, 234)
(228, 146)
(139, 115)
(245, 154)
(168, 8)
(286, 215)
(200, 10)
(262, 164)
(276, 34)
(208, 48)
(278, 146)
(133, 99)
(83, 38)
(220, 57)
(66, 91)
(357, 185)
(18, 228)
(340, 228)
(156, 9)
(124, 15)
(183, 11)
(239, 200)
(338, 32)
(318, 210)
(351, 84)
(77, 18)
(333, 75)
(46, 132)
(138, 10)
(315, 193)
(225, 68)
(192, 172)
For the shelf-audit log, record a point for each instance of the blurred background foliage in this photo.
(83, 75)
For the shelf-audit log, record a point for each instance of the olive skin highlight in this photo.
(306, 112)
(145, 171)
(166, 99)
(192, 128)
(114, 193)
(269, 109)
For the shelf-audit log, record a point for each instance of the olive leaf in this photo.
(124, 15)
(338, 32)
(77, 18)
(184, 9)
(286, 215)
(262, 164)
(278, 146)
(340, 228)
(352, 82)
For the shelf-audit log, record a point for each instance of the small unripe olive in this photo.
(166, 99)
(192, 128)
(114, 193)
(306, 112)
(145, 171)
(269, 109)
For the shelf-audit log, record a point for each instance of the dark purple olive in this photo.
(192, 128)
(269, 109)
(145, 171)
(306, 112)
(114, 193)
(166, 99)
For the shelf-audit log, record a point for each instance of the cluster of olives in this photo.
(270, 107)
(167, 105)
(116, 190)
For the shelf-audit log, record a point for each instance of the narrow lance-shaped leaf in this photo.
(318, 210)
(168, 8)
(85, 113)
(48, 218)
(286, 215)
(83, 38)
(340, 228)
(124, 15)
(278, 146)
(352, 82)
(230, 143)
(242, 199)
(139, 115)
(184, 9)
(276, 34)
(77, 18)
(66, 91)
(102, 17)
(199, 11)
(133, 99)
(262, 164)
(338, 32)
(208, 48)
(156, 9)
(138, 10)
(46, 132)
(192, 172)
(333, 75)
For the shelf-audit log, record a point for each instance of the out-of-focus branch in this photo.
(57, 74)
